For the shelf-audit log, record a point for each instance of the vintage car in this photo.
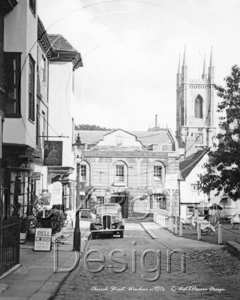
(107, 219)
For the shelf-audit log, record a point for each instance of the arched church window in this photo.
(199, 107)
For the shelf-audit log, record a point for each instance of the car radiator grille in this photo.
(107, 222)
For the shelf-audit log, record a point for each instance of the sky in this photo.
(130, 51)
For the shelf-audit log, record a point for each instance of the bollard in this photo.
(219, 234)
(181, 229)
(170, 223)
(198, 231)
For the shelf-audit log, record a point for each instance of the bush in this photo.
(54, 219)
(24, 224)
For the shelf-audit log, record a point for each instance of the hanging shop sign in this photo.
(53, 153)
(43, 239)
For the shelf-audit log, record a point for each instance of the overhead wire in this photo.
(43, 117)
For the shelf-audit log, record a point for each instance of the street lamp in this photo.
(79, 146)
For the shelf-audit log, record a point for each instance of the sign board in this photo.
(171, 181)
(45, 199)
(36, 176)
(56, 189)
(43, 239)
(53, 153)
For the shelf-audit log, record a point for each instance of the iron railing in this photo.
(9, 244)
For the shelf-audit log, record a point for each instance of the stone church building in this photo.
(195, 108)
(195, 129)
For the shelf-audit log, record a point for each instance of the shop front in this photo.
(19, 180)
(68, 198)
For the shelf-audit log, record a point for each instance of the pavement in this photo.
(155, 231)
(211, 271)
(41, 274)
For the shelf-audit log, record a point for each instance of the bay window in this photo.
(31, 96)
(12, 84)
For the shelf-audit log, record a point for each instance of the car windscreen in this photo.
(107, 209)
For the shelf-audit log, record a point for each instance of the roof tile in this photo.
(59, 43)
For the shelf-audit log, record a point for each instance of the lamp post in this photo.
(79, 146)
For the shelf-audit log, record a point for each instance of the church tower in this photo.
(195, 108)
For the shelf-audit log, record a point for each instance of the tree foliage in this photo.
(91, 127)
(223, 168)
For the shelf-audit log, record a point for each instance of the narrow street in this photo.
(211, 272)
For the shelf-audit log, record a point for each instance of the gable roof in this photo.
(181, 143)
(189, 163)
(59, 43)
(145, 137)
(110, 132)
(7, 6)
(64, 51)
(152, 137)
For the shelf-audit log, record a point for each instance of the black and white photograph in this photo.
(119, 149)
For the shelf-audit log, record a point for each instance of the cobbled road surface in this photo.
(133, 273)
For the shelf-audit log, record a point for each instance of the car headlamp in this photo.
(98, 220)
(115, 219)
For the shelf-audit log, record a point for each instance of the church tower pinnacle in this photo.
(204, 70)
(211, 68)
(195, 108)
(184, 66)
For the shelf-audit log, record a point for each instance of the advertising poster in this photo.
(43, 239)
(56, 189)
